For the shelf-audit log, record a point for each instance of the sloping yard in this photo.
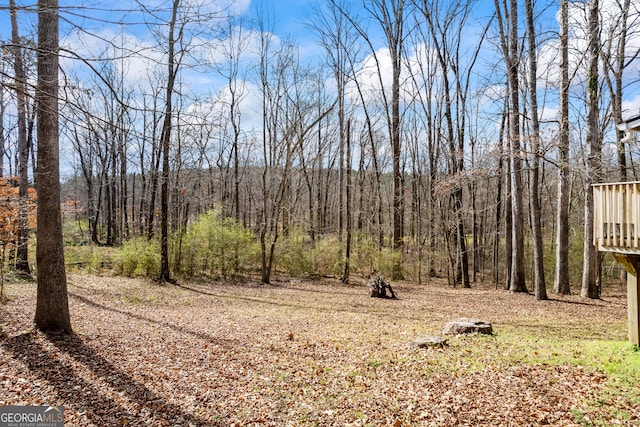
(305, 353)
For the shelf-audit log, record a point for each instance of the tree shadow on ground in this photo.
(126, 401)
(357, 306)
(222, 342)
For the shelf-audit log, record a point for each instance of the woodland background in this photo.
(421, 138)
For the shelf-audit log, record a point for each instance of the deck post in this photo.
(633, 290)
(631, 264)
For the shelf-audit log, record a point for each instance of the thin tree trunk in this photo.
(347, 256)
(517, 282)
(2, 138)
(498, 212)
(22, 250)
(536, 211)
(165, 138)
(561, 282)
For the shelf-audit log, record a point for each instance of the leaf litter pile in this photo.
(308, 353)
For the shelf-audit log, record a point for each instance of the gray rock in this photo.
(467, 326)
(427, 342)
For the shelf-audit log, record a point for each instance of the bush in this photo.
(328, 256)
(214, 245)
(368, 258)
(293, 254)
(91, 258)
(75, 232)
(138, 257)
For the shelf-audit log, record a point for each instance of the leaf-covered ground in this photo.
(316, 353)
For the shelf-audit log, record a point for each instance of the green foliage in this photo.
(293, 254)
(328, 256)
(576, 254)
(75, 232)
(138, 257)
(91, 258)
(215, 246)
(369, 258)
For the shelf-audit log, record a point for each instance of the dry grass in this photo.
(317, 353)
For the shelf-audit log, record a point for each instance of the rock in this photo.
(427, 342)
(467, 326)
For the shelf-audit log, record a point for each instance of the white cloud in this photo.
(631, 107)
(549, 113)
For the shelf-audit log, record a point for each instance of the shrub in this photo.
(75, 232)
(138, 257)
(214, 245)
(91, 258)
(293, 254)
(369, 258)
(328, 257)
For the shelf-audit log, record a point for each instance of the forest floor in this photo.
(304, 353)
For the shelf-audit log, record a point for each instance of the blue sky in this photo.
(290, 17)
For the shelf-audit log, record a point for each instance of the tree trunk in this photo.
(165, 138)
(22, 249)
(347, 255)
(509, 43)
(536, 211)
(2, 136)
(498, 211)
(52, 307)
(561, 281)
(517, 282)
(456, 152)
(590, 275)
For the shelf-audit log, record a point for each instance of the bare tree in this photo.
(445, 20)
(2, 111)
(616, 59)
(561, 282)
(347, 255)
(510, 43)
(536, 211)
(22, 250)
(590, 272)
(52, 307)
(392, 22)
(173, 65)
(423, 72)
(390, 16)
(338, 39)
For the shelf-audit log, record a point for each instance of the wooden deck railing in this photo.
(617, 217)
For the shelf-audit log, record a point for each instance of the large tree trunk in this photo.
(561, 282)
(591, 273)
(52, 307)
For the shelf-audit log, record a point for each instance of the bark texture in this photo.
(52, 307)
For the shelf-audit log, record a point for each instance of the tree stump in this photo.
(379, 286)
(467, 326)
